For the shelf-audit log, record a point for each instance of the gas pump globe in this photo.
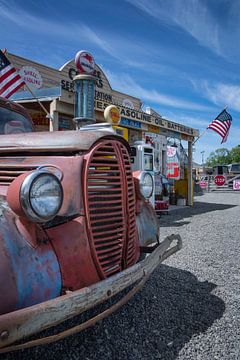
(142, 158)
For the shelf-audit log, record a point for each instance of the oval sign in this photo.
(31, 76)
(128, 103)
(84, 62)
(219, 180)
(171, 151)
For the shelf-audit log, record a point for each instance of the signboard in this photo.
(131, 123)
(31, 76)
(153, 129)
(219, 180)
(236, 184)
(128, 103)
(203, 184)
(173, 170)
(171, 151)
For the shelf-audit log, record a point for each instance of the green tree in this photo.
(219, 157)
(235, 154)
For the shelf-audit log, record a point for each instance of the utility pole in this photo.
(203, 152)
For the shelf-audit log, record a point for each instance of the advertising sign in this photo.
(171, 151)
(173, 170)
(236, 184)
(128, 103)
(31, 76)
(203, 184)
(219, 180)
(112, 114)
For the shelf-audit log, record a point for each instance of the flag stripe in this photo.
(11, 88)
(217, 130)
(6, 69)
(7, 74)
(14, 89)
(10, 80)
(221, 125)
(217, 127)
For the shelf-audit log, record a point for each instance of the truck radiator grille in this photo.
(10, 172)
(110, 207)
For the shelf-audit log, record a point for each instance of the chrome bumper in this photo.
(19, 324)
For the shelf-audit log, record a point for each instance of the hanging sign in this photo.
(31, 77)
(171, 151)
(173, 170)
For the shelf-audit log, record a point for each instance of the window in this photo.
(12, 122)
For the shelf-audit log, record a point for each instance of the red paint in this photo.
(173, 170)
(71, 246)
(110, 207)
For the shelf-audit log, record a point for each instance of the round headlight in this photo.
(146, 185)
(41, 196)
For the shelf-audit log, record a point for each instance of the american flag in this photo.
(221, 125)
(10, 80)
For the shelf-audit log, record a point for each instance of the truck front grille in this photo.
(110, 207)
(10, 172)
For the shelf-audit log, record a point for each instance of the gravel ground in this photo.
(190, 307)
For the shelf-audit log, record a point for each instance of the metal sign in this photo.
(173, 170)
(236, 184)
(219, 180)
(203, 184)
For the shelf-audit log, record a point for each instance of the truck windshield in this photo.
(12, 122)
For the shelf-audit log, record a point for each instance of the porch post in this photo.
(53, 121)
(190, 184)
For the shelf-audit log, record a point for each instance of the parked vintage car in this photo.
(74, 220)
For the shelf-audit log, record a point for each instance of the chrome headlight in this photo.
(41, 196)
(146, 184)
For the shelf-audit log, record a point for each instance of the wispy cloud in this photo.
(126, 84)
(221, 94)
(192, 121)
(113, 44)
(192, 16)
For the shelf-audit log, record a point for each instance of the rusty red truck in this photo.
(75, 225)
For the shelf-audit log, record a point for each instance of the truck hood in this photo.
(56, 141)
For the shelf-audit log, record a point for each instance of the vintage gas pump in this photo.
(142, 158)
(85, 86)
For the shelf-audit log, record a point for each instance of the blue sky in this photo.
(181, 57)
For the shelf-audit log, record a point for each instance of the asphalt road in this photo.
(190, 307)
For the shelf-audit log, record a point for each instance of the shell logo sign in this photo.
(31, 76)
(112, 114)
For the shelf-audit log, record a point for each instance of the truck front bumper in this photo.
(19, 324)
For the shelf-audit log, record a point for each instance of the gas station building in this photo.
(55, 89)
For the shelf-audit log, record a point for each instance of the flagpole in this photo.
(39, 102)
(206, 129)
(199, 136)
